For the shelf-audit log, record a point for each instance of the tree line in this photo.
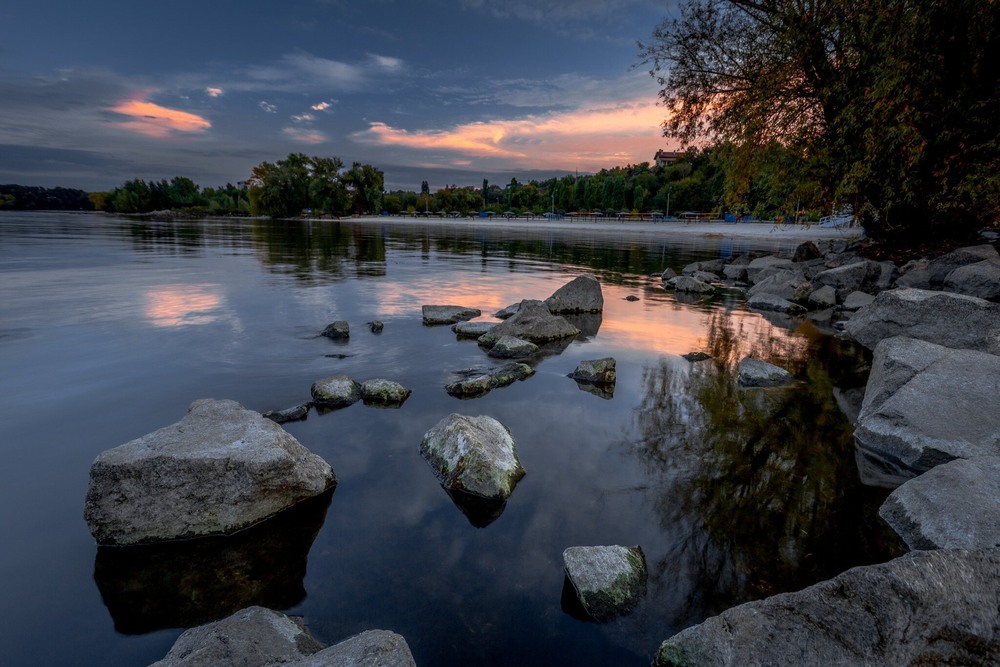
(34, 198)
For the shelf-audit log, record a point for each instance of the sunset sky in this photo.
(448, 91)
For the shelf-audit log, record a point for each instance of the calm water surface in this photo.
(110, 328)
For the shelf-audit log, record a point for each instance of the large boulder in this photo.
(335, 391)
(596, 371)
(790, 285)
(533, 322)
(258, 637)
(954, 506)
(952, 320)
(926, 404)
(220, 469)
(580, 295)
(609, 581)
(770, 261)
(940, 267)
(981, 279)
(474, 455)
(925, 608)
(863, 276)
(690, 285)
(388, 393)
(774, 303)
(435, 315)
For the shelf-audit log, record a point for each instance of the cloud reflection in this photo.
(182, 305)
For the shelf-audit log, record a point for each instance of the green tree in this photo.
(367, 186)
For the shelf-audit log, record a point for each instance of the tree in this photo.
(366, 185)
(894, 100)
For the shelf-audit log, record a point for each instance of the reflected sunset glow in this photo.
(181, 305)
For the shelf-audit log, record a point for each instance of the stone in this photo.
(954, 506)
(857, 300)
(609, 581)
(712, 266)
(824, 297)
(927, 404)
(472, 329)
(258, 637)
(580, 295)
(916, 274)
(757, 265)
(696, 356)
(787, 284)
(940, 267)
(384, 392)
(691, 285)
(471, 387)
(296, 413)
(508, 311)
(736, 271)
(705, 277)
(860, 276)
(667, 274)
(435, 315)
(981, 279)
(757, 373)
(376, 326)
(806, 251)
(339, 330)
(595, 371)
(632, 297)
(474, 455)
(335, 391)
(952, 320)
(772, 302)
(926, 608)
(477, 382)
(220, 469)
(511, 347)
(533, 322)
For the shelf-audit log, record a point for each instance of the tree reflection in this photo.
(758, 488)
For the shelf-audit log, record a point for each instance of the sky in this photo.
(449, 91)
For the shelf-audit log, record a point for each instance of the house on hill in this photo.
(666, 158)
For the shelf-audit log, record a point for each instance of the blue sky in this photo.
(448, 91)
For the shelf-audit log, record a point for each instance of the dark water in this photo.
(110, 328)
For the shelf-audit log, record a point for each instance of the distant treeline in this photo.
(33, 198)
(178, 194)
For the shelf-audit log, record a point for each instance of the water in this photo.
(110, 328)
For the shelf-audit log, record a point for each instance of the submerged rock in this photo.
(925, 608)
(533, 322)
(596, 371)
(384, 392)
(376, 326)
(220, 469)
(339, 330)
(336, 391)
(474, 455)
(696, 356)
(434, 315)
(757, 373)
(477, 382)
(580, 295)
(297, 413)
(609, 580)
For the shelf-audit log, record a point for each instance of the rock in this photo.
(375, 326)
(336, 391)
(434, 315)
(667, 274)
(735, 272)
(712, 266)
(757, 265)
(533, 322)
(926, 404)
(887, 278)
(691, 285)
(296, 413)
(509, 374)
(757, 373)
(915, 274)
(953, 320)
(580, 295)
(474, 455)
(339, 330)
(857, 300)
(783, 283)
(595, 371)
(940, 267)
(981, 279)
(806, 251)
(705, 277)
(508, 311)
(609, 581)
(258, 637)
(471, 387)
(477, 382)
(954, 506)
(632, 297)
(925, 608)
(696, 356)
(384, 392)
(220, 469)
(510, 347)
(771, 302)
(824, 297)
(472, 329)
(860, 276)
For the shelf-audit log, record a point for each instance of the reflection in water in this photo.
(180, 305)
(758, 487)
(184, 584)
(480, 511)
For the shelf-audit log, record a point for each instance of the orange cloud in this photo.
(153, 120)
(584, 139)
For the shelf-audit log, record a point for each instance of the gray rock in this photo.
(926, 404)
(861, 276)
(940, 267)
(296, 413)
(434, 315)
(374, 648)
(887, 278)
(981, 279)
(335, 391)
(609, 580)
(477, 382)
(595, 371)
(916, 274)
(757, 265)
(376, 326)
(857, 300)
(735, 272)
(384, 392)
(925, 608)
(790, 285)
(474, 455)
(757, 373)
(712, 266)
(953, 320)
(339, 330)
(471, 387)
(511, 347)
(580, 295)
(954, 506)
(509, 374)
(806, 251)
(696, 356)
(220, 469)
(690, 285)
(472, 329)
(772, 302)
(705, 277)
(533, 322)
(508, 311)
(824, 297)
(667, 274)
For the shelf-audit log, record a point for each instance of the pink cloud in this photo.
(305, 135)
(153, 120)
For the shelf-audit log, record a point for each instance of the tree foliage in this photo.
(891, 104)
(33, 198)
(299, 182)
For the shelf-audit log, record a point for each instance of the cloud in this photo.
(550, 12)
(153, 120)
(304, 118)
(212, 91)
(323, 106)
(305, 135)
(267, 107)
(386, 63)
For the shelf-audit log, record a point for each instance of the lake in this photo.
(110, 328)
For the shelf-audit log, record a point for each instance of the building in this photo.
(665, 158)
